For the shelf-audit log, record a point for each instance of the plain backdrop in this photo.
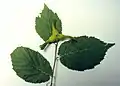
(99, 18)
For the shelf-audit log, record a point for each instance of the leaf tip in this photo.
(45, 6)
(108, 45)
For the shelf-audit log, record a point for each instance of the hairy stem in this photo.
(55, 60)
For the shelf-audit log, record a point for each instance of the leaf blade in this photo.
(43, 24)
(83, 54)
(30, 65)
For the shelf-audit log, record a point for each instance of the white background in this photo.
(99, 18)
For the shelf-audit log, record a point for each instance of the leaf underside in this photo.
(30, 65)
(84, 53)
(44, 23)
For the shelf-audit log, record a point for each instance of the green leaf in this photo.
(83, 52)
(30, 65)
(44, 23)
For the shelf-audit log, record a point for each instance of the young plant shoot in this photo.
(77, 53)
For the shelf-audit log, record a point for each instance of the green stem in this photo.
(55, 59)
(55, 71)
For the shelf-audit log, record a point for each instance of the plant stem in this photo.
(55, 59)
(55, 71)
